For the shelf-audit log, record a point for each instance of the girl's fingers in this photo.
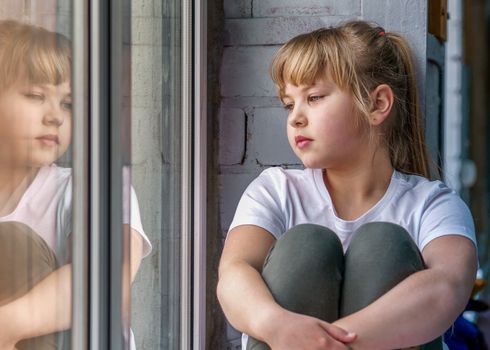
(338, 333)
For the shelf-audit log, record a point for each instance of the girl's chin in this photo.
(39, 163)
(312, 164)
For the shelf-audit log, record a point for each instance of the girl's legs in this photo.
(304, 273)
(379, 257)
(25, 259)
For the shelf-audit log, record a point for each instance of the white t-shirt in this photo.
(280, 199)
(46, 208)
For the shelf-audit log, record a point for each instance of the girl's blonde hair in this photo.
(32, 53)
(359, 57)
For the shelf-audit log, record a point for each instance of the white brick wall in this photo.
(288, 8)
(147, 169)
(268, 141)
(238, 8)
(46, 13)
(273, 30)
(252, 123)
(232, 125)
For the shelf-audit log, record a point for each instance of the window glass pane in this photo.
(35, 174)
(156, 168)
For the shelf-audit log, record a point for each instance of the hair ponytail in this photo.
(407, 145)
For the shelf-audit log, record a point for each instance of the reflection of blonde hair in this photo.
(359, 57)
(33, 53)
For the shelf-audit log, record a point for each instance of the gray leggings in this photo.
(308, 273)
(25, 259)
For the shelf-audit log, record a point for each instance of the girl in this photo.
(35, 194)
(360, 250)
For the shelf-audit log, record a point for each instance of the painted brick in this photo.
(145, 125)
(244, 72)
(158, 8)
(272, 31)
(268, 142)
(279, 8)
(38, 7)
(145, 71)
(231, 190)
(408, 17)
(142, 8)
(238, 8)
(11, 9)
(246, 102)
(146, 31)
(64, 23)
(231, 136)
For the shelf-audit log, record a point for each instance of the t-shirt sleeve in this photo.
(445, 213)
(262, 205)
(135, 223)
(131, 210)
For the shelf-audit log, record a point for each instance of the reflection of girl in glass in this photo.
(35, 130)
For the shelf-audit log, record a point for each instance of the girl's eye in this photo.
(315, 98)
(288, 107)
(66, 105)
(35, 96)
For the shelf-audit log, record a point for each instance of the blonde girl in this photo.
(360, 250)
(35, 195)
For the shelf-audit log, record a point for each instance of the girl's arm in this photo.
(424, 305)
(250, 307)
(46, 308)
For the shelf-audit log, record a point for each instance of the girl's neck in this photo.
(356, 189)
(13, 184)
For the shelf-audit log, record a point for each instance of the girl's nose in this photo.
(297, 118)
(54, 115)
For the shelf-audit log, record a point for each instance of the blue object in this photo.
(464, 335)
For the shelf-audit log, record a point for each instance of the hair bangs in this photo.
(312, 56)
(48, 60)
(299, 63)
(33, 54)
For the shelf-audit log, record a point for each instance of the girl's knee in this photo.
(13, 231)
(374, 235)
(384, 241)
(311, 238)
(308, 244)
(25, 259)
(21, 239)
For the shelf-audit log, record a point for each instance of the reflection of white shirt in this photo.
(46, 208)
(40, 209)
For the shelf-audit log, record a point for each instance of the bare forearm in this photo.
(246, 300)
(416, 311)
(44, 309)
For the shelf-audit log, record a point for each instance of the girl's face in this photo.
(323, 126)
(35, 123)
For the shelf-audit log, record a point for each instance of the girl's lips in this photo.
(48, 140)
(302, 142)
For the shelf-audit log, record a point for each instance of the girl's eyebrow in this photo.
(302, 88)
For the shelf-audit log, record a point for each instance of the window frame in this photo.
(97, 177)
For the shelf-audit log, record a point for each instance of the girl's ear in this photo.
(382, 98)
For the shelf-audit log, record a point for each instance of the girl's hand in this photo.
(298, 332)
